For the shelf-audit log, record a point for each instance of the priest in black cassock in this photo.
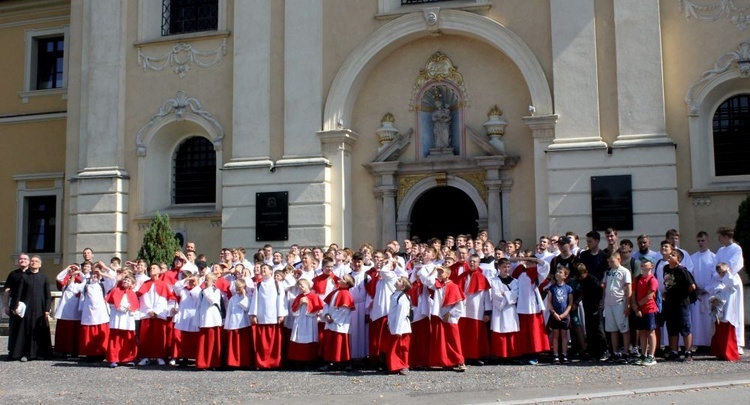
(33, 339)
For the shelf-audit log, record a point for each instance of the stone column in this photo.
(493, 181)
(543, 131)
(303, 77)
(337, 147)
(640, 85)
(575, 73)
(99, 189)
(505, 197)
(385, 190)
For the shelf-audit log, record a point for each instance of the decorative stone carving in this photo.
(701, 201)
(405, 183)
(181, 57)
(438, 68)
(387, 132)
(477, 180)
(495, 127)
(431, 19)
(739, 15)
(180, 106)
(739, 60)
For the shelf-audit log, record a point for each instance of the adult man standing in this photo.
(644, 249)
(731, 254)
(33, 339)
(88, 255)
(12, 284)
(703, 271)
(612, 241)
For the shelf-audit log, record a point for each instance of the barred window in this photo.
(194, 172)
(41, 220)
(731, 137)
(185, 16)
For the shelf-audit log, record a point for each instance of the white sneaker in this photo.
(740, 350)
(173, 362)
(112, 365)
(161, 362)
(144, 362)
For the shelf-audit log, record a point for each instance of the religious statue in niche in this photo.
(439, 121)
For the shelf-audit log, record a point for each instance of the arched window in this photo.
(731, 131)
(194, 172)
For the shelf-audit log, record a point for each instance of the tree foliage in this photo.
(159, 242)
(742, 229)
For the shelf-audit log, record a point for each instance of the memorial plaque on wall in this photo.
(612, 202)
(272, 216)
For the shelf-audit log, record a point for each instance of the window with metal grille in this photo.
(41, 219)
(50, 62)
(194, 172)
(184, 16)
(731, 131)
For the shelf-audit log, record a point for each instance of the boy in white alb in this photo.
(267, 312)
(399, 326)
(237, 329)
(358, 330)
(94, 336)
(475, 343)
(153, 298)
(209, 338)
(504, 321)
(731, 254)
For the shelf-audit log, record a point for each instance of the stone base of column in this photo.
(98, 213)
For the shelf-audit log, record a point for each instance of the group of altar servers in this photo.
(374, 308)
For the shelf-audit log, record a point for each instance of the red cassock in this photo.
(724, 342)
(208, 354)
(397, 352)
(419, 352)
(267, 339)
(66, 336)
(122, 347)
(446, 338)
(475, 343)
(152, 338)
(457, 270)
(239, 347)
(184, 344)
(532, 337)
(505, 345)
(336, 344)
(94, 340)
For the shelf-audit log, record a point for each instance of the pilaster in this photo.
(337, 148)
(640, 84)
(386, 187)
(303, 77)
(575, 72)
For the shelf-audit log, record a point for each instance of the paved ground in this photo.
(74, 382)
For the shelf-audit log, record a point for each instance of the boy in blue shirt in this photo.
(560, 298)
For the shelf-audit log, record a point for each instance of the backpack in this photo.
(410, 316)
(693, 295)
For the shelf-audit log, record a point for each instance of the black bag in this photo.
(691, 280)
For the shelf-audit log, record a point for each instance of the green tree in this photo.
(742, 229)
(159, 242)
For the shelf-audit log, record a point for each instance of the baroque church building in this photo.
(319, 121)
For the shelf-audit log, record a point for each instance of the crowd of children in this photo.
(440, 304)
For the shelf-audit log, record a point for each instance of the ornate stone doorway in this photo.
(443, 211)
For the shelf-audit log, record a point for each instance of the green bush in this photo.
(159, 242)
(742, 229)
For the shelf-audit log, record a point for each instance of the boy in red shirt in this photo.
(643, 303)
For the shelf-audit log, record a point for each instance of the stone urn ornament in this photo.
(495, 127)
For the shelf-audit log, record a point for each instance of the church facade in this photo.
(373, 120)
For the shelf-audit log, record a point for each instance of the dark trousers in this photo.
(596, 341)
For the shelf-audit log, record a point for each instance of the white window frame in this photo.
(23, 192)
(30, 62)
(149, 22)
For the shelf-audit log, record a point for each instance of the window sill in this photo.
(184, 37)
(26, 95)
(466, 5)
(185, 212)
(723, 189)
